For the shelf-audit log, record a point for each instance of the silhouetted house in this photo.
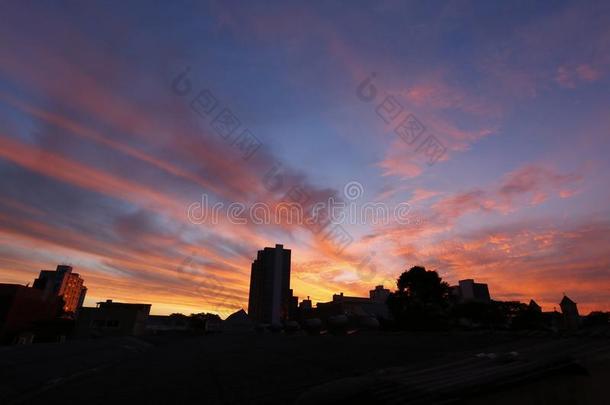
(113, 319)
(569, 311)
(469, 291)
(522, 316)
(163, 324)
(305, 305)
(374, 306)
(238, 322)
(270, 295)
(23, 309)
(65, 284)
(305, 311)
(552, 320)
(534, 307)
(341, 305)
(293, 306)
(212, 325)
(379, 294)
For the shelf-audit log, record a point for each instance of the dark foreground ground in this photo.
(376, 368)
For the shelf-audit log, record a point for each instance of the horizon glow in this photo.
(116, 118)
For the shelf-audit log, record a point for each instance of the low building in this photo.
(305, 305)
(373, 306)
(181, 324)
(23, 309)
(469, 291)
(534, 307)
(552, 320)
(379, 294)
(238, 322)
(293, 306)
(162, 324)
(113, 319)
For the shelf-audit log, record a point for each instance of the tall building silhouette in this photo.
(270, 292)
(64, 284)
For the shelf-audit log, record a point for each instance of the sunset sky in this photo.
(102, 149)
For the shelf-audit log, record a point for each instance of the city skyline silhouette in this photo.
(489, 164)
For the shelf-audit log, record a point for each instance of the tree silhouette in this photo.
(421, 300)
(198, 321)
(424, 286)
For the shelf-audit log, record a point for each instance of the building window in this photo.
(97, 323)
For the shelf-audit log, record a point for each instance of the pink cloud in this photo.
(537, 261)
(435, 92)
(422, 194)
(588, 73)
(401, 162)
(571, 77)
(529, 184)
(564, 77)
